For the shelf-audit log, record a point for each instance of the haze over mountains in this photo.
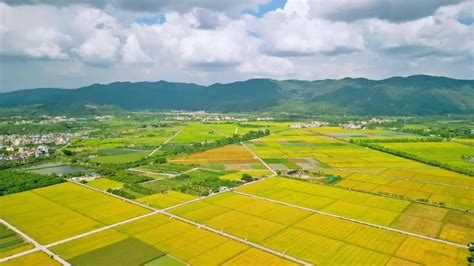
(413, 95)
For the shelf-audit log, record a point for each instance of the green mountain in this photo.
(414, 95)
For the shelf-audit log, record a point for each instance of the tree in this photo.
(246, 177)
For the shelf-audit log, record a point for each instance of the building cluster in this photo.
(363, 124)
(202, 116)
(312, 124)
(18, 147)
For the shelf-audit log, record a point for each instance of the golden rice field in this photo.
(415, 187)
(105, 183)
(183, 241)
(446, 152)
(63, 210)
(315, 238)
(164, 200)
(418, 218)
(35, 258)
(226, 154)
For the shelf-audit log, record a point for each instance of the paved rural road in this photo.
(164, 143)
(355, 220)
(258, 158)
(37, 245)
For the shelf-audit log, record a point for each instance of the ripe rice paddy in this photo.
(316, 238)
(63, 210)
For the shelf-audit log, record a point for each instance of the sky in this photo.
(69, 44)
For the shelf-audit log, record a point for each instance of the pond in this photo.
(56, 168)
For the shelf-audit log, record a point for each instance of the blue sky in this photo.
(264, 8)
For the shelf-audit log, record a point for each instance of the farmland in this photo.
(193, 193)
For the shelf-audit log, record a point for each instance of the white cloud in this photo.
(132, 52)
(100, 49)
(209, 41)
(291, 32)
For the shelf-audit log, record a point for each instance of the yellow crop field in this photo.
(400, 214)
(219, 254)
(431, 253)
(246, 226)
(88, 243)
(164, 200)
(16, 250)
(376, 239)
(417, 225)
(226, 154)
(256, 257)
(354, 255)
(98, 206)
(63, 210)
(37, 258)
(52, 220)
(456, 233)
(327, 226)
(181, 240)
(426, 211)
(104, 184)
(302, 244)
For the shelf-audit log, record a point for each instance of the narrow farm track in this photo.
(158, 179)
(354, 220)
(258, 158)
(164, 143)
(38, 246)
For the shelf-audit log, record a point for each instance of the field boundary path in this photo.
(38, 246)
(354, 220)
(164, 143)
(258, 158)
(158, 179)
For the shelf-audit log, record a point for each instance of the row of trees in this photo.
(15, 181)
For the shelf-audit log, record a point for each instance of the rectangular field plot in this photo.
(413, 187)
(35, 258)
(105, 183)
(315, 238)
(150, 238)
(446, 152)
(396, 213)
(11, 243)
(164, 200)
(63, 210)
(227, 154)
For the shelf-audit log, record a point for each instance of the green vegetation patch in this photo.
(165, 261)
(9, 239)
(197, 183)
(130, 251)
(13, 181)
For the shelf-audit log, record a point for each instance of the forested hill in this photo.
(414, 95)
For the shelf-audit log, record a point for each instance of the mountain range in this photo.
(413, 95)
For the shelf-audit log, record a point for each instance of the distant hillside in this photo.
(414, 95)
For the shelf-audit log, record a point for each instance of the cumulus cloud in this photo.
(390, 10)
(438, 35)
(100, 49)
(209, 41)
(292, 32)
(132, 53)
